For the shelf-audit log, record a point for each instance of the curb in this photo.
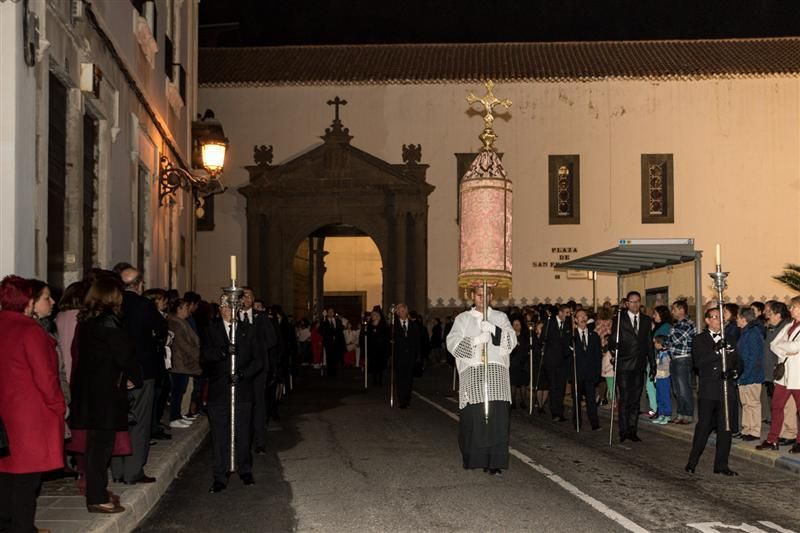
(68, 512)
(739, 450)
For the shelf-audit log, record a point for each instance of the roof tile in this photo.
(433, 63)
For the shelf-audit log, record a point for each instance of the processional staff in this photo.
(616, 362)
(391, 371)
(365, 328)
(530, 368)
(233, 298)
(485, 199)
(577, 399)
(721, 283)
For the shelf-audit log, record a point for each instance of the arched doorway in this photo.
(334, 184)
(347, 274)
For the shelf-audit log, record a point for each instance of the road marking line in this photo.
(558, 480)
(714, 527)
(775, 526)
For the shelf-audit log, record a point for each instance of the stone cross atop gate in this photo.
(336, 133)
(336, 102)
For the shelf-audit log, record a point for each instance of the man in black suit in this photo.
(556, 358)
(588, 359)
(217, 353)
(407, 343)
(264, 339)
(144, 324)
(707, 362)
(634, 352)
(333, 339)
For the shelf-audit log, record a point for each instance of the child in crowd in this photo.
(663, 381)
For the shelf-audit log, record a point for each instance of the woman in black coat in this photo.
(376, 335)
(107, 368)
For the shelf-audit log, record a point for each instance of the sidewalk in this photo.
(743, 450)
(62, 509)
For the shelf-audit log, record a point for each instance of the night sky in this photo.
(293, 22)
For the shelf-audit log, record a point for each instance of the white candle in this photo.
(719, 261)
(233, 267)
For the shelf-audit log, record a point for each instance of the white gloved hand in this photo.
(488, 327)
(482, 338)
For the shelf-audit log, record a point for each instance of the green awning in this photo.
(633, 256)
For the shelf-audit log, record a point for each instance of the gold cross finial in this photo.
(489, 102)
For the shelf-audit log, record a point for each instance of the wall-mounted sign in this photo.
(560, 254)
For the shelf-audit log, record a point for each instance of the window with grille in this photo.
(564, 189)
(657, 189)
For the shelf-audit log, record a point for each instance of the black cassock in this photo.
(217, 362)
(406, 354)
(377, 346)
(707, 362)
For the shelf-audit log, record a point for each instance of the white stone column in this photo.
(17, 149)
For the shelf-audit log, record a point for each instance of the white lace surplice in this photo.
(467, 325)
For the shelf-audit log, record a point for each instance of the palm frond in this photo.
(790, 276)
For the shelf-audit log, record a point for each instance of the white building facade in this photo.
(717, 121)
(101, 92)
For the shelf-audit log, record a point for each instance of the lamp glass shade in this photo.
(213, 156)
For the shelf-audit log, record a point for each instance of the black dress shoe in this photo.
(595, 428)
(726, 472)
(161, 435)
(786, 442)
(767, 445)
(218, 486)
(689, 468)
(737, 435)
(795, 448)
(559, 419)
(634, 438)
(260, 450)
(495, 472)
(623, 438)
(247, 479)
(749, 438)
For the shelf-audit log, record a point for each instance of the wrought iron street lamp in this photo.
(209, 146)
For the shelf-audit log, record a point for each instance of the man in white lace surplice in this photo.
(466, 341)
(483, 442)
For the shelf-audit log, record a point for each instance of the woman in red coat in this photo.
(31, 405)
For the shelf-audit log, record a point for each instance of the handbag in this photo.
(4, 451)
(780, 370)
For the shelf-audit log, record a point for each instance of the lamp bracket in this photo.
(171, 178)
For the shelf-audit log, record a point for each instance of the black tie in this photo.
(636, 324)
(583, 339)
(405, 328)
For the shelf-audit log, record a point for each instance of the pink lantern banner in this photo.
(486, 221)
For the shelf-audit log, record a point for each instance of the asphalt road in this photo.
(342, 460)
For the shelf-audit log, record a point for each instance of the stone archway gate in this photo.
(337, 183)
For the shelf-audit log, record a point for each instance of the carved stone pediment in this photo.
(335, 168)
(336, 183)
